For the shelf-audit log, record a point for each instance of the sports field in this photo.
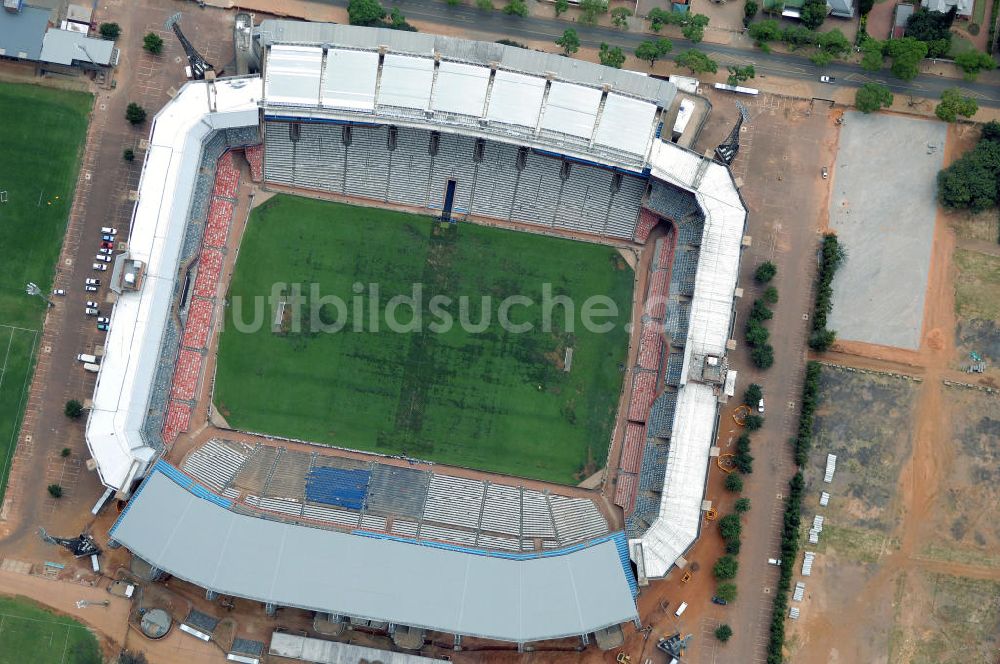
(495, 400)
(31, 634)
(40, 146)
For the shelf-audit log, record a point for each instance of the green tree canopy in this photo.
(734, 482)
(765, 31)
(516, 8)
(135, 114)
(871, 97)
(570, 41)
(906, 54)
(620, 16)
(694, 27)
(561, 6)
(723, 633)
(726, 591)
(970, 182)
(739, 75)
(611, 56)
(153, 43)
(814, 13)
(725, 568)
(365, 12)
(872, 54)
(696, 61)
(973, 62)
(953, 104)
(653, 50)
(591, 9)
(110, 30)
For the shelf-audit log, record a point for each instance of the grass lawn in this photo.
(41, 143)
(493, 400)
(977, 287)
(31, 634)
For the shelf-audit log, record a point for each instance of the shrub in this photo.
(485, 5)
(753, 422)
(771, 295)
(757, 334)
(65, 452)
(128, 154)
(516, 8)
(810, 392)
(831, 256)
(729, 526)
(725, 568)
(753, 395)
(765, 272)
(760, 312)
(570, 41)
(135, 114)
(726, 591)
(110, 31)
(734, 482)
(561, 6)
(821, 340)
(153, 43)
(55, 491)
(742, 506)
(789, 551)
(73, 409)
(723, 632)
(763, 356)
(743, 460)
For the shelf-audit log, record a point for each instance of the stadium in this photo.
(472, 133)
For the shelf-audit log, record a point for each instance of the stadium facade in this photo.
(467, 130)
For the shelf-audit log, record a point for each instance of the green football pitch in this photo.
(31, 634)
(493, 399)
(41, 142)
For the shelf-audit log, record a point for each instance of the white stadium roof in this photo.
(131, 348)
(433, 81)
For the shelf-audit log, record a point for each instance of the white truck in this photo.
(84, 357)
(91, 367)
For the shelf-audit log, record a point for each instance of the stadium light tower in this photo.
(33, 289)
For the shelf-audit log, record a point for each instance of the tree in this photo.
(570, 41)
(742, 459)
(365, 12)
(971, 181)
(973, 62)
(954, 103)
(821, 58)
(110, 31)
(153, 43)
(759, 311)
(132, 657)
(833, 42)
(991, 131)
(398, 22)
(516, 8)
(739, 75)
(762, 356)
(65, 452)
(753, 422)
(765, 272)
(821, 340)
(723, 632)
(872, 54)
(128, 154)
(771, 295)
(485, 5)
(928, 26)
(729, 526)
(73, 409)
(750, 9)
(865, 6)
(906, 54)
(658, 18)
(561, 6)
(734, 482)
(694, 28)
(620, 16)
(765, 31)
(590, 9)
(814, 13)
(696, 61)
(757, 334)
(135, 114)
(871, 97)
(611, 56)
(55, 491)
(726, 591)
(752, 395)
(742, 506)
(653, 50)
(725, 568)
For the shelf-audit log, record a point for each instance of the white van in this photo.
(92, 368)
(681, 609)
(83, 357)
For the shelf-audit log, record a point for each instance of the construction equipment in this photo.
(622, 658)
(199, 66)
(740, 414)
(81, 546)
(674, 645)
(726, 462)
(711, 514)
(686, 577)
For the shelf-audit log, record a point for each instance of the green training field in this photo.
(41, 142)
(32, 634)
(493, 400)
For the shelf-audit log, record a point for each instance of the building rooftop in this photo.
(63, 47)
(21, 33)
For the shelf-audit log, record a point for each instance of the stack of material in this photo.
(816, 529)
(807, 563)
(831, 466)
(799, 592)
(793, 613)
(824, 499)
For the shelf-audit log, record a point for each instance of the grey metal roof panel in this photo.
(23, 32)
(445, 589)
(64, 46)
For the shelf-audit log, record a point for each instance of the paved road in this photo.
(497, 24)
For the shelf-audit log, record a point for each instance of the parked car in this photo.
(103, 327)
(107, 238)
(719, 601)
(826, 79)
(760, 406)
(105, 250)
(825, 172)
(107, 230)
(103, 258)
(107, 245)
(90, 289)
(103, 319)
(93, 304)
(101, 267)
(90, 311)
(93, 282)
(774, 561)
(59, 291)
